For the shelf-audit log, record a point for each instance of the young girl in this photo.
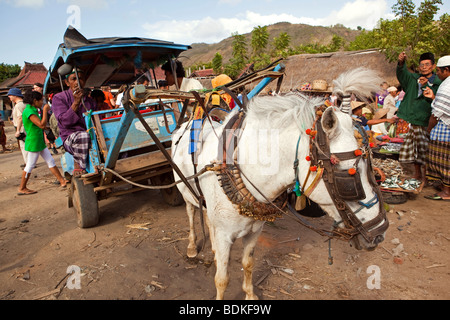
(35, 143)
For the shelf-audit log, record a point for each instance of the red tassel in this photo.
(334, 160)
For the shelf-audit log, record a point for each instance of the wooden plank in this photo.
(140, 162)
(100, 135)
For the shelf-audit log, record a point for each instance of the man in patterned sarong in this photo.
(438, 168)
(415, 109)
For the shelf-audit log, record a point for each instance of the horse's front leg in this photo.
(249, 242)
(192, 246)
(222, 256)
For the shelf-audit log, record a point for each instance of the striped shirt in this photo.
(441, 110)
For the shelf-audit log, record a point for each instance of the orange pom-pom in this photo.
(358, 153)
(352, 171)
(313, 168)
(313, 133)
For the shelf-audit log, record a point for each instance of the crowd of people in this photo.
(419, 107)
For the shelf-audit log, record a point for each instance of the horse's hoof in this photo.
(251, 297)
(192, 253)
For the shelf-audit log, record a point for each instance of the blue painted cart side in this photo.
(122, 134)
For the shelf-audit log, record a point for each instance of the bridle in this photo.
(345, 186)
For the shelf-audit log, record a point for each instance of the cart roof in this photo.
(109, 61)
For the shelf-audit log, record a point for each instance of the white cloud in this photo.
(26, 3)
(230, 2)
(94, 4)
(364, 13)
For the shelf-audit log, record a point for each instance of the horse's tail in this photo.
(361, 82)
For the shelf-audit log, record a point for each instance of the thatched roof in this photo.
(328, 66)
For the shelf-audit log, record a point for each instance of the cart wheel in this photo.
(171, 196)
(85, 202)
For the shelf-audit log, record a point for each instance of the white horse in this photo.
(273, 129)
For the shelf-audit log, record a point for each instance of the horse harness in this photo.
(345, 185)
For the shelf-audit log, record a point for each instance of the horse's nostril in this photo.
(378, 239)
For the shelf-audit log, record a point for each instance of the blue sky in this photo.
(33, 29)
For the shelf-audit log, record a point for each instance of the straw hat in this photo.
(380, 114)
(357, 104)
(220, 80)
(366, 110)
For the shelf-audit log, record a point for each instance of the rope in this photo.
(168, 186)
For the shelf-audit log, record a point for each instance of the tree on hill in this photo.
(217, 63)
(281, 45)
(239, 60)
(259, 42)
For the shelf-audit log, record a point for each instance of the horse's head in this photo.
(356, 204)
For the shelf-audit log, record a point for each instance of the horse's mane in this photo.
(361, 82)
(282, 111)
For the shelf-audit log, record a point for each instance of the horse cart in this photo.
(130, 146)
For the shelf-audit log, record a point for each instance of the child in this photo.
(35, 143)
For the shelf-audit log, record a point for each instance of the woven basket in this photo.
(321, 85)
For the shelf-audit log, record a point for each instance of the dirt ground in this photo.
(42, 249)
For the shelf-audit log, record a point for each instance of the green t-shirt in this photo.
(35, 136)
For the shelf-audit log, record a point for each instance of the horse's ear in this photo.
(329, 122)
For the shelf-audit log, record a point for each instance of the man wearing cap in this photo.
(380, 129)
(415, 109)
(389, 102)
(16, 97)
(68, 107)
(438, 168)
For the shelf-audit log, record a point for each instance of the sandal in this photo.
(436, 197)
(26, 193)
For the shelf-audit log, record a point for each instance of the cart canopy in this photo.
(111, 61)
